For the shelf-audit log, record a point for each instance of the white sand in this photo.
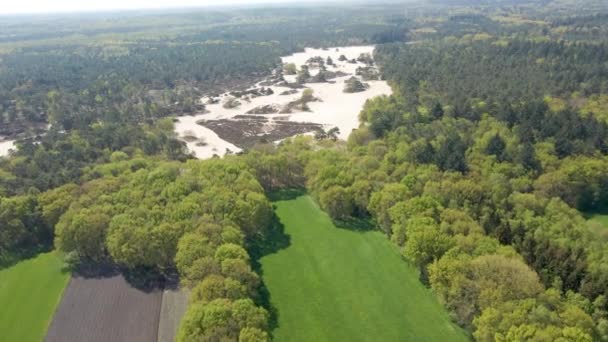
(337, 109)
(6, 146)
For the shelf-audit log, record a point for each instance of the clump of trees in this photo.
(61, 157)
(195, 218)
(290, 69)
(303, 75)
(231, 103)
(354, 85)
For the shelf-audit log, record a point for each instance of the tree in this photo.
(422, 152)
(307, 95)
(451, 154)
(496, 147)
(353, 85)
(437, 111)
(290, 69)
(337, 202)
(303, 75)
(382, 201)
(84, 232)
(216, 287)
(528, 157)
(221, 319)
(231, 251)
(253, 335)
(424, 246)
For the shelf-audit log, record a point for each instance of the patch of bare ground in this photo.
(106, 307)
(173, 308)
(246, 132)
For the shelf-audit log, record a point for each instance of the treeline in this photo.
(79, 85)
(58, 157)
(148, 215)
(496, 73)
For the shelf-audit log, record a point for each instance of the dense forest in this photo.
(479, 168)
(138, 70)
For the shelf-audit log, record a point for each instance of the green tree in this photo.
(337, 202)
(496, 147)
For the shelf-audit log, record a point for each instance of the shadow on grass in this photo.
(600, 210)
(11, 259)
(271, 241)
(286, 194)
(355, 224)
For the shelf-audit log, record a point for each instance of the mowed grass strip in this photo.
(334, 284)
(29, 294)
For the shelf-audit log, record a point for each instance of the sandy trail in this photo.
(336, 108)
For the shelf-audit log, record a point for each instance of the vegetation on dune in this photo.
(338, 272)
(30, 292)
(353, 85)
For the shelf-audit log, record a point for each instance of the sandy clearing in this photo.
(6, 146)
(336, 108)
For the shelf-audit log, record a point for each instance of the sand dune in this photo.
(335, 108)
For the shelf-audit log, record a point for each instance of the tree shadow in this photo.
(601, 209)
(356, 224)
(286, 194)
(11, 259)
(145, 279)
(272, 240)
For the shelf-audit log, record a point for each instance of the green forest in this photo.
(482, 180)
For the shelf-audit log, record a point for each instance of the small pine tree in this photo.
(496, 147)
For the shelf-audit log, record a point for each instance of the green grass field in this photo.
(598, 223)
(29, 293)
(333, 284)
(599, 218)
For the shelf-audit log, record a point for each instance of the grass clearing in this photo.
(598, 223)
(333, 284)
(29, 294)
(599, 218)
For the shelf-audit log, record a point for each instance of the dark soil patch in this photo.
(246, 132)
(104, 308)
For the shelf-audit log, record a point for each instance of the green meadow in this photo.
(338, 284)
(29, 294)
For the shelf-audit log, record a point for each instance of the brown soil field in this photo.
(104, 309)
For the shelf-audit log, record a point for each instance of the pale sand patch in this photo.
(6, 146)
(336, 108)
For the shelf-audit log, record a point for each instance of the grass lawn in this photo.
(599, 218)
(333, 284)
(598, 223)
(29, 293)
